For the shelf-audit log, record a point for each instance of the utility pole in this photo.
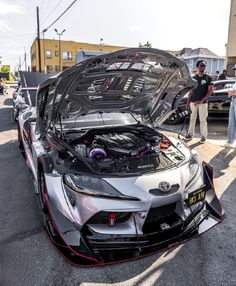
(19, 63)
(44, 52)
(59, 34)
(38, 38)
(25, 60)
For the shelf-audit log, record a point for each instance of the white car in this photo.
(111, 184)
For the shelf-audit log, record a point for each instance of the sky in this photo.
(166, 24)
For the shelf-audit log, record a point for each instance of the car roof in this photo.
(224, 81)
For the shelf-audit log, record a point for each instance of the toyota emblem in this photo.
(164, 187)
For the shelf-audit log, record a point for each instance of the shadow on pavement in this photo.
(222, 160)
(8, 102)
(194, 145)
(6, 119)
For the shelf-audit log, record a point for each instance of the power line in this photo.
(41, 5)
(49, 14)
(61, 14)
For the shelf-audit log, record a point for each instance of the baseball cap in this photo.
(234, 67)
(201, 62)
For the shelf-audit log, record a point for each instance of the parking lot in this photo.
(28, 258)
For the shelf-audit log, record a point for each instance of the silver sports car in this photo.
(111, 185)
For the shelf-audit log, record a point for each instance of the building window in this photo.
(67, 55)
(49, 68)
(56, 53)
(48, 54)
(57, 68)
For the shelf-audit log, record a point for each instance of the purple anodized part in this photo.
(145, 151)
(97, 153)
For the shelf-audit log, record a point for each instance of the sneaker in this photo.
(203, 140)
(227, 144)
(188, 137)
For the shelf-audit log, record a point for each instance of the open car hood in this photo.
(143, 81)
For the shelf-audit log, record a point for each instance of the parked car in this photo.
(111, 184)
(24, 93)
(223, 84)
(218, 103)
(19, 104)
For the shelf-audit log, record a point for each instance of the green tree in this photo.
(147, 45)
(5, 68)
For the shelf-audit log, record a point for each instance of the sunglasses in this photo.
(202, 66)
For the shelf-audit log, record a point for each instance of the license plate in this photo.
(196, 197)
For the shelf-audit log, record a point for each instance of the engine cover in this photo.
(126, 144)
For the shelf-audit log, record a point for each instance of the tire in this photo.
(20, 143)
(42, 192)
(15, 115)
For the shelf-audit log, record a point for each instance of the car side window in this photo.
(218, 87)
(223, 94)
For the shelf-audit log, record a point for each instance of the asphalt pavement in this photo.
(27, 257)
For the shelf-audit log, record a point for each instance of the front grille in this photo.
(158, 213)
(103, 217)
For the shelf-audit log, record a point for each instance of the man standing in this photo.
(232, 115)
(223, 75)
(1, 87)
(216, 76)
(198, 101)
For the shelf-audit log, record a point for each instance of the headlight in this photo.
(194, 169)
(93, 187)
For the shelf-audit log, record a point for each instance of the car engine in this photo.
(121, 151)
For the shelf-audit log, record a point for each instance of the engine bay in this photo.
(125, 150)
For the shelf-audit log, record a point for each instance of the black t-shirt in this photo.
(200, 92)
(222, 76)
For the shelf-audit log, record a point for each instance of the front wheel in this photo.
(20, 143)
(42, 192)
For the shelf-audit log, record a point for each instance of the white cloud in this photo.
(6, 9)
(4, 27)
(134, 28)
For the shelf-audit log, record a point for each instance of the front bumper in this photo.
(85, 246)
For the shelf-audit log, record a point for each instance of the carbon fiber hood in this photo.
(142, 81)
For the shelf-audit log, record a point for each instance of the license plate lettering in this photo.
(196, 197)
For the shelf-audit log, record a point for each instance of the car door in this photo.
(28, 127)
(219, 102)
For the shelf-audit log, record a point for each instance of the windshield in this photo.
(98, 120)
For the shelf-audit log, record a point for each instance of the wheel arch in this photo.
(44, 165)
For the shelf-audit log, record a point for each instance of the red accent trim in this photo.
(65, 257)
(222, 216)
(112, 219)
(118, 261)
(98, 263)
(54, 225)
(128, 259)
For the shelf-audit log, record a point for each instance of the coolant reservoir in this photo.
(165, 143)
